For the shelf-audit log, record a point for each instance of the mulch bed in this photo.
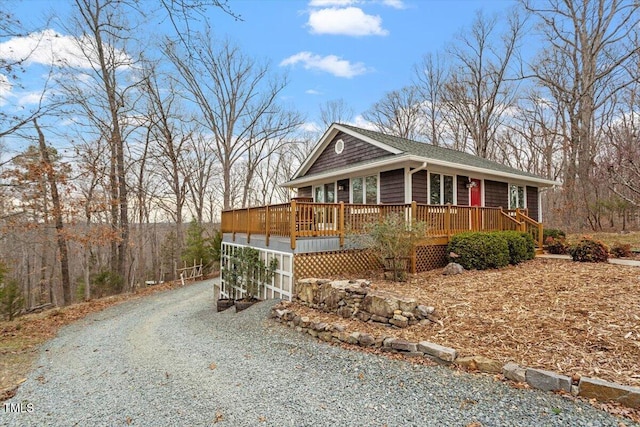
(568, 317)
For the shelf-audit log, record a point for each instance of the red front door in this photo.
(475, 192)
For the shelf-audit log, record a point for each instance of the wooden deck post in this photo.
(267, 225)
(414, 211)
(447, 220)
(341, 223)
(292, 224)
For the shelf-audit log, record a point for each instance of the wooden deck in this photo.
(295, 220)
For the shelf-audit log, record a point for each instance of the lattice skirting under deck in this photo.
(430, 257)
(324, 264)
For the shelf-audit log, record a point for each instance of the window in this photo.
(364, 190)
(516, 197)
(325, 193)
(356, 190)
(339, 147)
(330, 193)
(441, 189)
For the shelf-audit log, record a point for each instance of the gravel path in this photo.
(170, 359)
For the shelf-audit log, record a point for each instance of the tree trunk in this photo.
(57, 215)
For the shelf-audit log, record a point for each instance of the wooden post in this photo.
(447, 220)
(292, 224)
(414, 211)
(341, 223)
(267, 225)
(540, 236)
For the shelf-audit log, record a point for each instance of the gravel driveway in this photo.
(170, 359)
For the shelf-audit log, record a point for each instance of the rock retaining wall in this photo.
(354, 299)
(537, 378)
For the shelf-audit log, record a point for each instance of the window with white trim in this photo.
(441, 189)
(516, 197)
(325, 193)
(364, 189)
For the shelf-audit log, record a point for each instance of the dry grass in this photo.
(21, 338)
(572, 318)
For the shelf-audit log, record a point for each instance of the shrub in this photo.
(555, 233)
(589, 250)
(105, 283)
(621, 250)
(521, 246)
(480, 251)
(556, 246)
(392, 240)
(11, 301)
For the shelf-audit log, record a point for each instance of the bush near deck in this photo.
(481, 251)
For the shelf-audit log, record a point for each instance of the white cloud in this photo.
(5, 89)
(349, 21)
(51, 48)
(396, 4)
(364, 124)
(331, 64)
(310, 127)
(29, 98)
(328, 3)
(312, 92)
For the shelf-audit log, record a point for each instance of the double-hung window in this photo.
(516, 197)
(325, 193)
(441, 189)
(364, 189)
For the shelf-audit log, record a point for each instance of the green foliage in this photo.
(392, 240)
(479, 250)
(621, 250)
(105, 283)
(11, 300)
(556, 246)
(554, 233)
(246, 269)
(198, 247)
(216, 245)
(521, 246)
(589, 250)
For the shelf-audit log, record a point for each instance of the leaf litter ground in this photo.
(564, 316)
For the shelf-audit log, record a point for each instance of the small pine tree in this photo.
(197, 247)
(11, 300)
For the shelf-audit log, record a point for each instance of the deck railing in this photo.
(306, 219)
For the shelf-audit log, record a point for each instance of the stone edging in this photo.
(586, 387)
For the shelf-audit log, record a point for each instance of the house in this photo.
(355, 175)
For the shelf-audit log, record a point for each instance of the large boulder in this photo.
(453, 268)
(384, 304)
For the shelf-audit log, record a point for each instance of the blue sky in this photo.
(330, 49)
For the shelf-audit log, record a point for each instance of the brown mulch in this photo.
(559, 315)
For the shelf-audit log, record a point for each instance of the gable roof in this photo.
(406, 149)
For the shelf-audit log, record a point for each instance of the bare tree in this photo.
(478, 91)
(102, 35)
(398, 113)
(335, 111)
(233, 92)
(204, 174)
(591, 54)
(52, 180)
(430, 76)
